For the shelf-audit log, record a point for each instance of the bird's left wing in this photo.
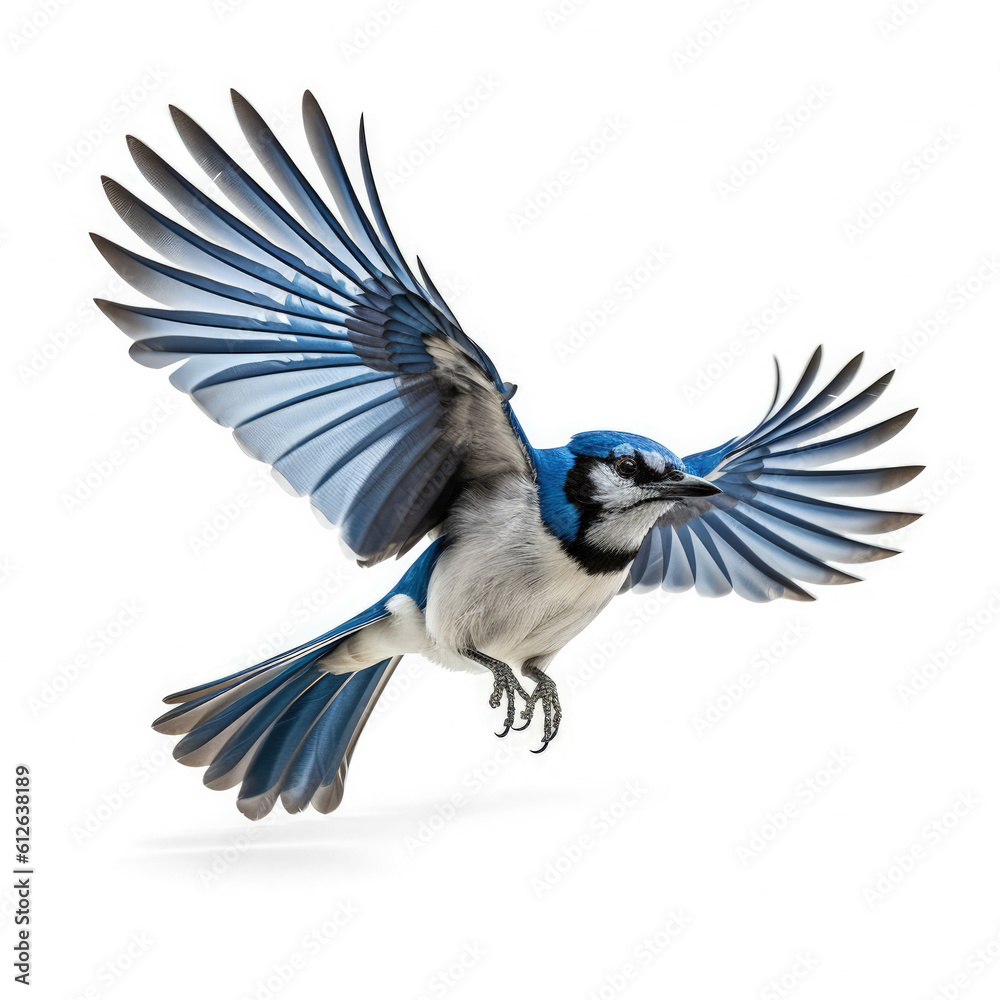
(310, 336)
(772, 526)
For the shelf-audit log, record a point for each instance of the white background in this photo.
(149, 885)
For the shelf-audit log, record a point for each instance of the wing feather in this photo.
(307, 332)
(772, 525)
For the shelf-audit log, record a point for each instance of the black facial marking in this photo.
(646, 475)
(578, 487)
(595, 561)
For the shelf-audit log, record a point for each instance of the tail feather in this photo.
(317, 774)
(285, 727)
(283, 743)
(259, 723)
(326, 641)
(188, 716)
(219, 721)
(197, 695)
(274, 770)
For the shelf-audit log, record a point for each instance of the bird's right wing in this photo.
(772, 526)
(310, 336)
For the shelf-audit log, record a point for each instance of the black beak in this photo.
(688, 486)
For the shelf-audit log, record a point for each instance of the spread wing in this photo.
(772, 525)
(308, 334)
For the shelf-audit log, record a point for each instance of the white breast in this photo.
(504, 585)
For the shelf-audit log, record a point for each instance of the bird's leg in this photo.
(545, 691)
(504, 683)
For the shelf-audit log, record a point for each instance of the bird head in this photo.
(614, 486)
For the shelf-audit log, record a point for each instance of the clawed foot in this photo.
(545, 692)
(504, 683)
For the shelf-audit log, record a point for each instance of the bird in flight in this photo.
(306, 331)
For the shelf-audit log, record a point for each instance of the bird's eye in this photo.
(626, 467)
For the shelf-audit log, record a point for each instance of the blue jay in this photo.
(307, 332)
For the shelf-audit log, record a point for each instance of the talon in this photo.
(544, 692)
(527, 713)
(505, 683)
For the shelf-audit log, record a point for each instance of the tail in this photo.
(285, 727)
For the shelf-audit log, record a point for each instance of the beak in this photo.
(689, 486)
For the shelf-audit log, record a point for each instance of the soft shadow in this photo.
(371, 842)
